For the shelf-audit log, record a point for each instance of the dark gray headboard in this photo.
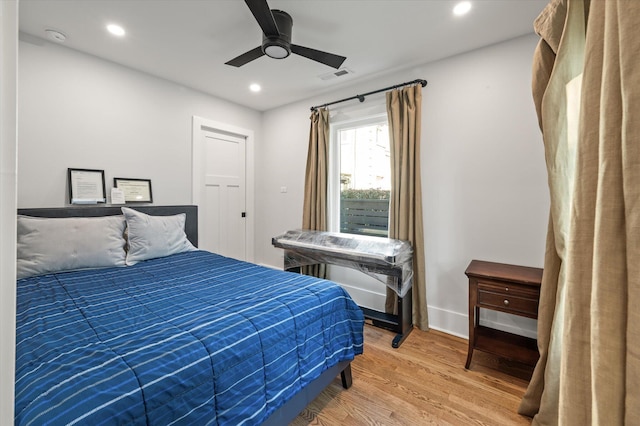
(191, 225)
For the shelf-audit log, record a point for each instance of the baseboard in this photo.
(280, 268)
(522, 326)
(448, 322)
(457, 324)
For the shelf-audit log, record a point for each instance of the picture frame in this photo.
(135, 190)
(86, 186)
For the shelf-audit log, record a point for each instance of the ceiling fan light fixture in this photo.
(276, 51)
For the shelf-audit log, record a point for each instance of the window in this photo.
(360, 176)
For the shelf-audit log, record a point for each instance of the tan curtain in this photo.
(586, 84)
(405, 207)
(314, 212)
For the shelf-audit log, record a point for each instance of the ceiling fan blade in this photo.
(319, 56)
(246, 57)
(263, 15)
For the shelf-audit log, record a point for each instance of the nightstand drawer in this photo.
(509, 289)
(508, 303)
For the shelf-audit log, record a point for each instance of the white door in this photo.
(222, 210)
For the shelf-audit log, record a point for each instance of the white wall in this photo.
(484, 179)
(8, 175)
(83, 112)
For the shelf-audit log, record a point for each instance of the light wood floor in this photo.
(422, 382)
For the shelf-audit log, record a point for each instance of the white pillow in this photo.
(154, 236)
(47, 245)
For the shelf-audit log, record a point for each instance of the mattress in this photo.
(192, 338)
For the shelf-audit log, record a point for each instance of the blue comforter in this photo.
(194, 338)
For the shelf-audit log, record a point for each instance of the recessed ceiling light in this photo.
(255, 87)
(116, 30)
(462, 8)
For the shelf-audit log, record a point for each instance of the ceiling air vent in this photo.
(334, 74)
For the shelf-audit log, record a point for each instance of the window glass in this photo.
(364, 177)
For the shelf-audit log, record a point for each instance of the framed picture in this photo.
(135, 190)
(86, 186)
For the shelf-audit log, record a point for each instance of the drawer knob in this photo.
(506, 302)
(506, 289)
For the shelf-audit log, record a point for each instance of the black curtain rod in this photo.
(361, 97)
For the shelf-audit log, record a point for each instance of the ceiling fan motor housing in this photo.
(279, 47)
(276, 28)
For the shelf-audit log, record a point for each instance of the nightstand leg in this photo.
(474, 314)
(471, 344)
(469, 355)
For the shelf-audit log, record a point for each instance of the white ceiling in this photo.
(189, 41)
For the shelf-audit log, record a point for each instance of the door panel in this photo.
(224, 229)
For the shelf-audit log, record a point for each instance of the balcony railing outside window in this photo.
(364, 217)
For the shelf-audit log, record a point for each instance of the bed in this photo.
(167, 336)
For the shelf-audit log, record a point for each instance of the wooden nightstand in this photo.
(505, 288)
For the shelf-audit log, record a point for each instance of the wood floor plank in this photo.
(423, 382)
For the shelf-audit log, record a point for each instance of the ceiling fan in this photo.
(276, 38)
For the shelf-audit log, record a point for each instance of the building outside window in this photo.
(360, 177)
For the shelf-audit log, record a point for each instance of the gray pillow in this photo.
(47, 245)
(150, 237)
